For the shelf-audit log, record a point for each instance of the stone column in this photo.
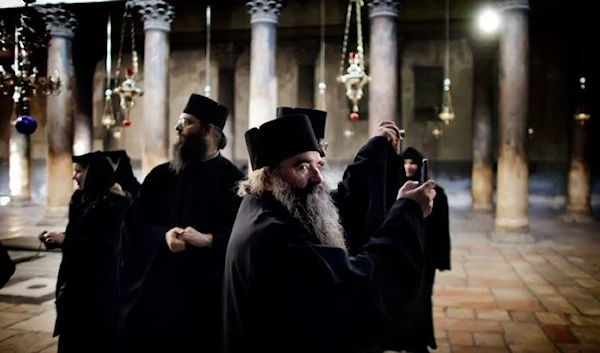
(513, 174)
(383, 67)
(157, 16)
(60, 110)
(579, 187)
(482, 177)
(227, 54)
(83, 125)
(19, 163)
(264, 17)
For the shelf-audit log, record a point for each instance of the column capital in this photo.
(60, 22)
(227, 54)
(505, 5)
(264, 11)
(156, 14)
(383, 8)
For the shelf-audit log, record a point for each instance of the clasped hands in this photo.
(177, 239)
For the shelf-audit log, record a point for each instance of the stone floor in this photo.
(499, 297)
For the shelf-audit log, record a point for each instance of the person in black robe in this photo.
(123, 172)
(411, 328)
(7, 266)
(290, 284)
(365, 195)
(87, 290)
(178, 230)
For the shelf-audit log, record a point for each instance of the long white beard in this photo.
(316, 212)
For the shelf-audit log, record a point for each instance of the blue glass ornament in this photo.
(25, 124)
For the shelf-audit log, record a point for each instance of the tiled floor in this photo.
(499, 297)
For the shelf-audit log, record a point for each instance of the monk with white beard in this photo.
(290, 284)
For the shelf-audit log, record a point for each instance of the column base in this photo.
(482, 208)
(577, 218)
(20, 201)
(512, 235)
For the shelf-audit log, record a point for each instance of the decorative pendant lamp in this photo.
(207, 88)
(127, 87)
(447, 110)
(355, 77)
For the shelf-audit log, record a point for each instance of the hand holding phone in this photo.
(424, 172)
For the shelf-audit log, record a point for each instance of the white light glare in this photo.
(489, 21)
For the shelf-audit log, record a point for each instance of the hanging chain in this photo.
(121, 41)
(207, 88)
(134, 55)
(359, 37)
(447, 63)
(346, 32)
(322, 41)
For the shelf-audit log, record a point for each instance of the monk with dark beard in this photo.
(290, 284)
(178, 230)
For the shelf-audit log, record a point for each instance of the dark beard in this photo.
(314, 208)
(186, 150)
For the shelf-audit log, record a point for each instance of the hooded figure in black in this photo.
(290, 284)
(87, 294)
(411, 328)
(124, 172)
(7, 266)
(177, 232)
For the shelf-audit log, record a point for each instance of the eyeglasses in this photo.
(183, 122)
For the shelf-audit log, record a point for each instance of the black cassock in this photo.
(172, 300)
(87, 295)
(286, 292)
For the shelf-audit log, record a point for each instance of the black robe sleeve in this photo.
(362, 197)
(7, 266)
(438, 232)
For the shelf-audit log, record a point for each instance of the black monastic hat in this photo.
(317, 118)
(279, 139)
(206, 110)
(414, 155)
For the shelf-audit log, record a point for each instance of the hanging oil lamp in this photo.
(581, 112)
(447, 110)
(356, 76)
(127, 87)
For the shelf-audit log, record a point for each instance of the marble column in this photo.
(19, 176)
(60, 110)
(157, 16)
(264, 17)
(513, 175)
(227, 54)
(579, 182)
(383, 66)
(83, 125)
(482, 176)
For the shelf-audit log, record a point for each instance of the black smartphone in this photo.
(424, 171)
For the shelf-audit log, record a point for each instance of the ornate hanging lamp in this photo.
(582, 114)
(355, 77)
(108, 116)
(447, 110)
(127, 87)
(21, 81)
(207, 88)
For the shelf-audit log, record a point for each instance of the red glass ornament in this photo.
(129, 72)
(352, 55)
(126, 123)
(354, 116)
